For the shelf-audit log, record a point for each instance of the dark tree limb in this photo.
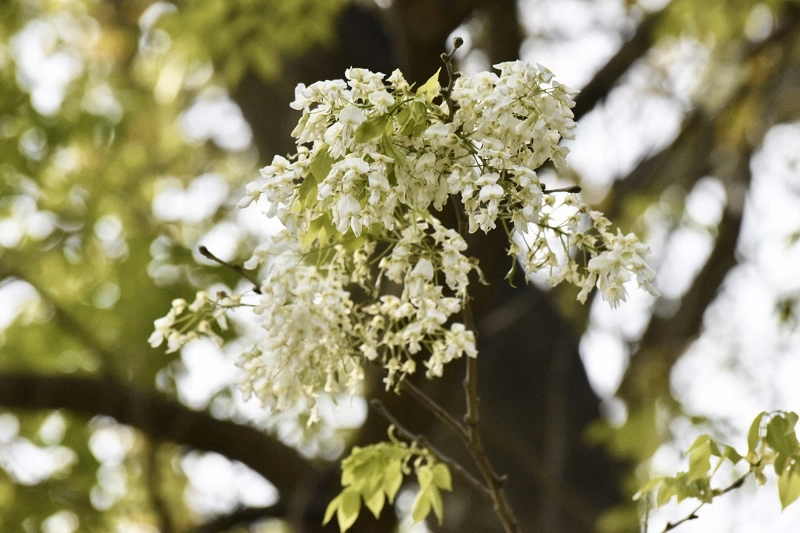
(607, 77)
(161, 419)
(241, 517)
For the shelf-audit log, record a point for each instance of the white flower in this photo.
(351, 116)
(348, 214)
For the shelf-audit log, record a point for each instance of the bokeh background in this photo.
(128, 129)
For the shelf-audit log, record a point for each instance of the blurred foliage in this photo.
(99, 107)
(247, 33)
(94, 100)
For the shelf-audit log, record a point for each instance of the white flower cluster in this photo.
(187, 322)
(306, 346)
(375, 157)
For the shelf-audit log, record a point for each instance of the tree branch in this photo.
(604, 80)
(241, 516)
(693, 515)
(160, 418)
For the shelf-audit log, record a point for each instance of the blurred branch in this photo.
(64, 319)
(241, 517)
(688, 157)
(607, 77)
(153, 478)
(161, 419)
(667, 337)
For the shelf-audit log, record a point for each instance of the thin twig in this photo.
(434, 408)
(570, 189)
(452, 76)
(693, 515)
(205, 252)
(424, 443)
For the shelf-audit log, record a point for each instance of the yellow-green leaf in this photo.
(436, 503)
(371, 128)
(441, 477)
(665, 493)
(332, 507)
(422, 506)
(390, 150)
(699, 459)
(375, 502)
(322, 163)
(424, 477)
(789, 484)
(349, 506)
(431, 88)
(780, 435)
(754, 434)
(321, 228)
(392, 479)
(647, 487)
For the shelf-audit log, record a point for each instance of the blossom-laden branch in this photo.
(376, 160)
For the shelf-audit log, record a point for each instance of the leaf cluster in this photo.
(375, 473)
(772, 440)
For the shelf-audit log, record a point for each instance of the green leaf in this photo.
(322, 163)
(732, 455)
(780, 435)
(321, 229)
(390, 150)
(431, 88)
(403, 116)
(419, 112)
(392, 479)
(307, 192)
(375, 502)
(647, 487)
(754, 434)
(436, 503)
(415, 121)
(441, 477)
(699, 458)
(332, 507)
(422, 505)
(789, 484)
(424, 477)
(371, 128)
(349, 506)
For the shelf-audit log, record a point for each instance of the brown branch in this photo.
(161, 419)
(434, 408)
(239, 269)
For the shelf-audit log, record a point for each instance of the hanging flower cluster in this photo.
(366, 270)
